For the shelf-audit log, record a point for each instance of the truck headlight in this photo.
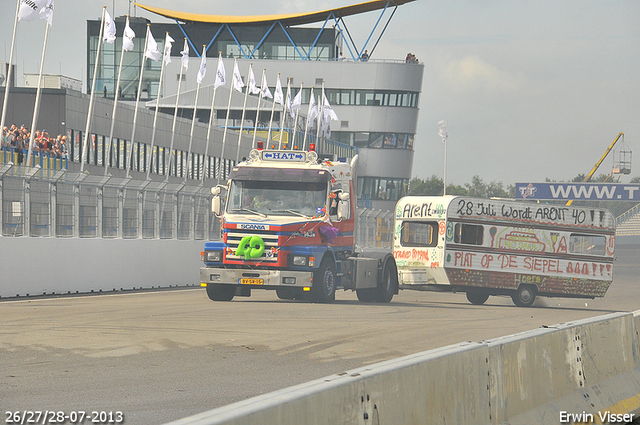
(302, 260)
(213, 256)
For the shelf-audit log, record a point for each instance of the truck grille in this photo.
(270, 254)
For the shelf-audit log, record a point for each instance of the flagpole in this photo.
(306, 126)
(244, 109)
(129, 164)
(36, 108)
(193, 120)
(284, 111)
(93, 92)
(211, 118)
(255, 128)
(320, 107)
(444, 180)
(226, 126)
(273, 108)
(155, 113)
(115, 104)
(175, 117)
(442, 132)
(295, 123)
(9, 72)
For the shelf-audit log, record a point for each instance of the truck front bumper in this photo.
(256, 278)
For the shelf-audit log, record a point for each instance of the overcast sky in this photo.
(530, 89)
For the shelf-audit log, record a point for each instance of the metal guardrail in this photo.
(56, 203)
(622, 218)
(374, 228)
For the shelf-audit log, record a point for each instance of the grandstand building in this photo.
(376, 99)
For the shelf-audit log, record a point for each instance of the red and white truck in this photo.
(288, 223)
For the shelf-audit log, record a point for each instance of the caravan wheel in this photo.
(524, 296)
(477, 297)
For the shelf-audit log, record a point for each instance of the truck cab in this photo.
(288, 222)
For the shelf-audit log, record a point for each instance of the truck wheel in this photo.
(477, 297)
(324, 282)
(220, 292)
(367, 295)
(387, 288)
(524, 296)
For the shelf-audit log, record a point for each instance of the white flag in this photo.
(168, 44)
(203, 68)
(29, 9)
(312, 113)
(237, 78)
(279, 97)
(264, 89)
(221, 75)
(442, 132)
(109, 29)
(328, 114)
(46, 12)
(253, 88)
(295, 105)
(185, 56)
(128, 36)
(152, 52)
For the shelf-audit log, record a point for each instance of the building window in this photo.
(381, 188)
(375, 140)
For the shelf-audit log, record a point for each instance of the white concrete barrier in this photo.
(436, 386)
(582, 367)
(586, 371)
(35, 266)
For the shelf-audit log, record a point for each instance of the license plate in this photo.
(245, 281)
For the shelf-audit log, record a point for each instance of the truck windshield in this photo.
(281, 198)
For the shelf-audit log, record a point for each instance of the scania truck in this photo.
(287, 224)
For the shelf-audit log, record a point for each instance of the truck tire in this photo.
(477, 297)
(220, 292)
(367, 295)
(324, 282)
(387, 287)
(525, 296)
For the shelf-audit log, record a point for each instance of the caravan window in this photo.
(419, 234)
(586, 244)
(471, 234)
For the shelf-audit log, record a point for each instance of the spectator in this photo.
(364, 57)
(341, 57)
(5, 136)
(63, 147)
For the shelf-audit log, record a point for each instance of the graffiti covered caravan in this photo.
(499, 247)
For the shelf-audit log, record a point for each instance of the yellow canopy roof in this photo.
(286, 19)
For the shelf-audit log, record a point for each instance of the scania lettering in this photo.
(288, 224)
(489, 247)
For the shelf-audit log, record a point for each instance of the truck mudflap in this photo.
(256, 278)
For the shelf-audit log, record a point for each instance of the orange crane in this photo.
(597, 164)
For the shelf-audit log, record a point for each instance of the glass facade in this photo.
(276, 45)
(382, 188)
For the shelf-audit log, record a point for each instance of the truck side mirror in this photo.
(344, 206)
(215, 205)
